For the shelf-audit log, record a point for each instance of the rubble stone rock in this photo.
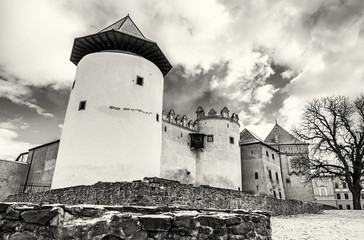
(39, 216)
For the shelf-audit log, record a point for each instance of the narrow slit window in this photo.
(82, 106)
(73, 84)
(277, 178)
(256, 175)
(157, 117)
(165, 128)
(140, 81)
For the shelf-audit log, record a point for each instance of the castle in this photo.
(115, 130)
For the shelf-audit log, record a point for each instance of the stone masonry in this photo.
(162, 192)
(57, 221)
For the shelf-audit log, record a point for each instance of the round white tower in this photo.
(112, 128)
(219, 164)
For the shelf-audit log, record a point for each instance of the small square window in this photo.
(256, 175)
(82, 106)
(340, 206)
(344, 184)
(346, 196)
(140, 81)
(288, 180)
(338, 196)
(348, 206)
(210, 138)
(336, 185)
(231, 140)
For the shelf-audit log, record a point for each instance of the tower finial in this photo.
(128, 15)
(276, 121)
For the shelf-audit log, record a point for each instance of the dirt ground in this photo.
(331, 225)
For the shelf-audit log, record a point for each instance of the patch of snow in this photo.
(330, 225)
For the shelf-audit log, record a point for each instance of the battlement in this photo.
(224, 114)
(183, 121)
(171, 117)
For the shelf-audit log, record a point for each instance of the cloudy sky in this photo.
(262, 59)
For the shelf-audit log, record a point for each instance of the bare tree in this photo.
(335, 127)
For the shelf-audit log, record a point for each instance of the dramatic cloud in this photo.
(10, 145)
(262, 59)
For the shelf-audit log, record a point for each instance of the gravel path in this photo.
(330, 225)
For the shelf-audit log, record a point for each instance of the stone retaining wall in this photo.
(55, 221)
(161, 192)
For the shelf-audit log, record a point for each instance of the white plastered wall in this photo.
(117, 136)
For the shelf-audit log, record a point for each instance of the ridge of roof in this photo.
(283, 136)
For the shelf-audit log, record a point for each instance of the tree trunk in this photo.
(356, 198)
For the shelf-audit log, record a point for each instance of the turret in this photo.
(114, 108)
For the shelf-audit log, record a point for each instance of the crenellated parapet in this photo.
(224, 114)
(182, 120)
(171, 117)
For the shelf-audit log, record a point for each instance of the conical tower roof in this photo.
(279, 135)
(122, 35)
(125, 25)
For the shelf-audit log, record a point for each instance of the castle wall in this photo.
(219, 163)
(251, 163)
(272, 173)
(294, 183)
(254, 161)
(12, 177)
(178, 162)
(117, 137)
(162, 192)
(42, 161)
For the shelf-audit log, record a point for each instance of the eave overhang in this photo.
(116, 40)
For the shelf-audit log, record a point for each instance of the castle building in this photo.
(202, 152)
(260, 166)
(115, 130)
(332, 191)
(289, 147)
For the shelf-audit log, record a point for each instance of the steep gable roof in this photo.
(248, 137)
(281, 136)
